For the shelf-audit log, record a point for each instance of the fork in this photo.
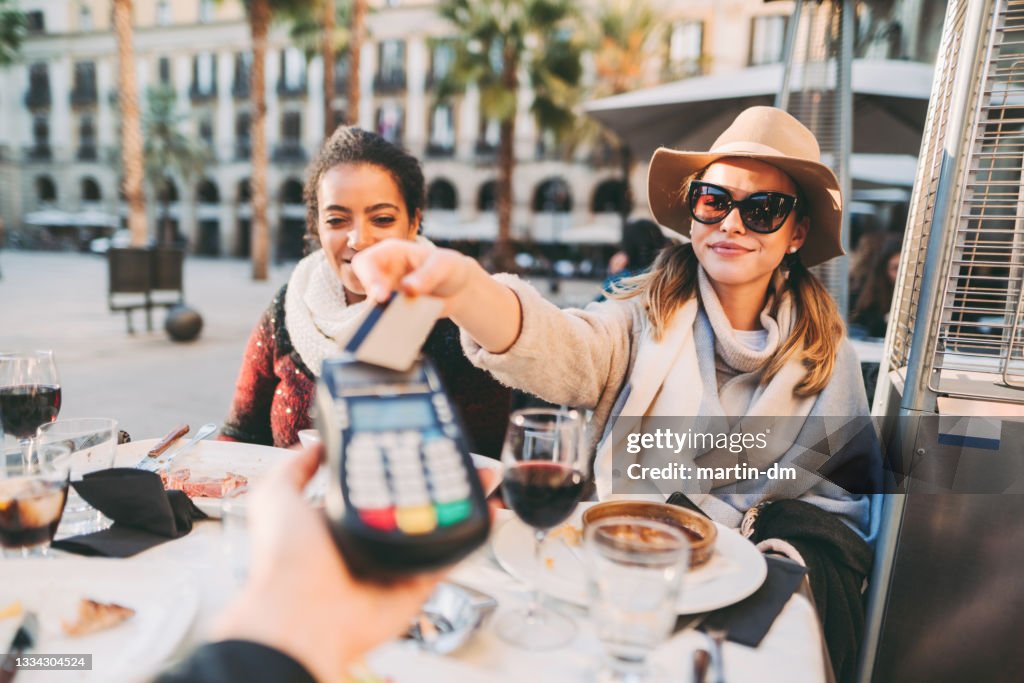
(717, 637)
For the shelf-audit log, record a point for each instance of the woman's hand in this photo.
(485, 308)
(414, 268)
(300, 598)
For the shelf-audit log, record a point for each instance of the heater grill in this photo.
(977, 350)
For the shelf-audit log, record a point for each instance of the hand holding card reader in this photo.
(404, 495)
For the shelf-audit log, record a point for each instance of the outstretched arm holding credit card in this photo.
(486, 309)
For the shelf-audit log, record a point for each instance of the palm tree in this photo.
(495, 41)
(623, 43)
(259, 26)
(131, 129)
(168, 152)
(324, 32)
(355, 48)
(261, 13)
(327, 51)
(12, 31)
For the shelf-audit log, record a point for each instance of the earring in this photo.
(792, 250)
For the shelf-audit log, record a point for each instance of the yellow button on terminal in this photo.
(416, 520)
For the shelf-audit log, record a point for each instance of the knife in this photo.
(172, 436)
(24, 638)
(161, 463)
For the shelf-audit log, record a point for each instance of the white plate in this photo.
(735, 570)
(212, 459)
(165, 602)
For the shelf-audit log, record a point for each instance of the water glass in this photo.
(92, 444)
(636, 570)
(234, 522)
(32, 496)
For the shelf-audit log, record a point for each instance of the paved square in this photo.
(146, 381)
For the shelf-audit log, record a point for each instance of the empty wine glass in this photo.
(545, 473)
(29, 395)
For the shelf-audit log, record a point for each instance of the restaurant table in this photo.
(791, 652)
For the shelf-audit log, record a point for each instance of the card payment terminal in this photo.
(403, 495)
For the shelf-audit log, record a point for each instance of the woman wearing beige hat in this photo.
(729, 323)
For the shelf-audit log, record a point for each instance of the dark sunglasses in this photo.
(761, 212)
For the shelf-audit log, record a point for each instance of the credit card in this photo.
(392, 333)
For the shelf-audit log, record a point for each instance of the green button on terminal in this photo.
(454, 512)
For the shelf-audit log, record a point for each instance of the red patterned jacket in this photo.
(275, 389)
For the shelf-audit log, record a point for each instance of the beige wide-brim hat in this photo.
(774, 137)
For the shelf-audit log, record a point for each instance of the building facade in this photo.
(59, 118)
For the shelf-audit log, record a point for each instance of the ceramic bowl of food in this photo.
(700, 531)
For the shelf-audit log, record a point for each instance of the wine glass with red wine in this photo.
(29, 395)
(545, 473)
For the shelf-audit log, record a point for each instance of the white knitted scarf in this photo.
(316, 314)
(677, 354)
(317, 317)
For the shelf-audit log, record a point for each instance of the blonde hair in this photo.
(817, 330)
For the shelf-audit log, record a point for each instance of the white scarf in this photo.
(318, 319)
(677, 352)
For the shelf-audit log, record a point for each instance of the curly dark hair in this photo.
(351, 145)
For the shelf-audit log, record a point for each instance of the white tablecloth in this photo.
(790, 653)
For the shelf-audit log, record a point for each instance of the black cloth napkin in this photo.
(839, 561)
(144, 514)
(748, 621)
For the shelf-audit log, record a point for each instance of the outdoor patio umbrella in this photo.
(890, 104)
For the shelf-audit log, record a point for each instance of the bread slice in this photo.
(96, 616)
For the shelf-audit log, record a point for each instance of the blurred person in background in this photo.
(642, 241)
(360, 190)
(875, 282)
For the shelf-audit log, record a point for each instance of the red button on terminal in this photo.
(382, 519)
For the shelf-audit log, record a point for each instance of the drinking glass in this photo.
(92, 442)
(29, 395)
(234, 522)
(636, 569)
(545, 472)
(32, 499)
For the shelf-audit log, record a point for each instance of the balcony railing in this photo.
(39, 152)
(433, 81)
(37, 98)
(392, 81)
(290, 151)
(439, 151)
(286, 89)
(84, 96)
(484, 149)
(197, 94)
